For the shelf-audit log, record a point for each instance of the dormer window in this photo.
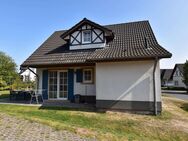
(86, 36)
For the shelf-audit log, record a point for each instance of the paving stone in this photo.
(16, 129)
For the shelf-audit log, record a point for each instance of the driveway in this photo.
(14, 129)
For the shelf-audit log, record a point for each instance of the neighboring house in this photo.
(116, 66)
(166, 80)
(27, 75)
(177, 76)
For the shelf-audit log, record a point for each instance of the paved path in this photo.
(14, 129)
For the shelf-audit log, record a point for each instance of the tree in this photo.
(7, 69)
(185, 73)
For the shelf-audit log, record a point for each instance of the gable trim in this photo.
(87, 22)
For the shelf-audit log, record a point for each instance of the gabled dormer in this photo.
(87, 34)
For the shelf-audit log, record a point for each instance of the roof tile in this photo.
(129, 43)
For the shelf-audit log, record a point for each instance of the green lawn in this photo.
(171, 125)
(4, 94)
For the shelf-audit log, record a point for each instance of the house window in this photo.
(26, 78)
(88, 75)
(177, 73)
(176, 83)
(87, 36)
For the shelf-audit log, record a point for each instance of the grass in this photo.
(4, 94)
(171, 125)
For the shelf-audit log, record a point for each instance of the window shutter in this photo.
(45, 84)
(71, 84)
(79, 75)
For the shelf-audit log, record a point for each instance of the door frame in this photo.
(58, 77)
(58, 84)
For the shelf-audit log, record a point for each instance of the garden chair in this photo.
(36, 94)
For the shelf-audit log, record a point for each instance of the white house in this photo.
(177, 76)
(166, 79)
(114, 66)
(27, 75)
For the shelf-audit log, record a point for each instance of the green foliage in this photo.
(2, 83)
(185, 73)
(7, 69)
(18, 84)
(4, 94)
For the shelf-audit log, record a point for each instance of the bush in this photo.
(4, 88)
(20, 85)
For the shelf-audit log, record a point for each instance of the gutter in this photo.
(154, 88)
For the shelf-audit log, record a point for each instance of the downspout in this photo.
(154, 88)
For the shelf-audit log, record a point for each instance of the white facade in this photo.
(28, 75)
(84, 88)
(127, 81)
(178, 78)
(124, 81)
(39, 72)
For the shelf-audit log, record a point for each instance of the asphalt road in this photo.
(178, 94)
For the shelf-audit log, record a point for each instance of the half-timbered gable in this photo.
(86, 35)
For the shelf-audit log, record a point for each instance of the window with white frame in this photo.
(87, 36)
(88, 75)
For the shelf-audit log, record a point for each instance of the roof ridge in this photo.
(126, 23)
(63, 30)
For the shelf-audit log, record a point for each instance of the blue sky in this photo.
(24, 25)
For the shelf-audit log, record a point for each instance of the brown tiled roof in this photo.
(128, 43)
(179, 66)
(166, 74)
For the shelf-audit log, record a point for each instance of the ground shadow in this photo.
(184, 107)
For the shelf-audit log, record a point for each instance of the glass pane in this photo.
(51, 88)
(61, 88)
(55, 94)
(55, 81)
(50, 74)
(61, 94)
(61, 74)
(51, 81)
(55, 74)
(89, 77)
(65, 88)
(65, 74)
(61, 81)
(65, 81)
(55, 87)
(65, 94)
